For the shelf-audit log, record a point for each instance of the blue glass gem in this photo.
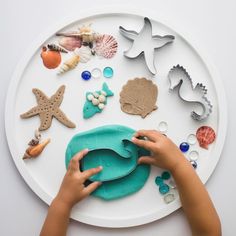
(194, 164)
(184, 147)
(165, 175)
(86, 75)
(159, 180)
(108, 72)
(164, 188)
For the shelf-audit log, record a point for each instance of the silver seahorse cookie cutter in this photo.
(179, 77)
(145, 43)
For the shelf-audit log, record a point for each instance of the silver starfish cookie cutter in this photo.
(145, 43)
(181, 80)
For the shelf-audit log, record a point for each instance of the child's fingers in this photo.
(146, 160)
(152, 135)
(74, 162)
(144, 143)
(88, 173)
(91, 187)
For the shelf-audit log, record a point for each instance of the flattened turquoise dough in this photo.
(110, 147)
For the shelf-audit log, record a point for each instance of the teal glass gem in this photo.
(108, 72)
(164, 188)
(159, 180)
(165, 175)
(184, 147)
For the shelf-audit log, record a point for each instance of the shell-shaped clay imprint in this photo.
(138, 97)
(70, 43)
(84, 54)
(106, 46)
(205, 136)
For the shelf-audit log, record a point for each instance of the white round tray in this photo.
(45, 173)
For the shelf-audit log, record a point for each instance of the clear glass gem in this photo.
(192, 139)
(193, 155)
(163, 127)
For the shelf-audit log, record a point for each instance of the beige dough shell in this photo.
(138, 97)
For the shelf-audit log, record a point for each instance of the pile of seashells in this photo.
(98, 99)
(83, 44)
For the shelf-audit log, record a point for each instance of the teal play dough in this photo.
(110, 147)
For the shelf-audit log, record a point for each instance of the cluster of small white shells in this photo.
(98, 99)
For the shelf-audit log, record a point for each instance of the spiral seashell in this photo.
(34, 151)
(69, 64)
(54, 47)
(84, 53)
(106, 46)
(33, 142)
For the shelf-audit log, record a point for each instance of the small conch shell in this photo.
(69, 64)
(33, 142)
(84, 54)
(34, 151)
(54, 47)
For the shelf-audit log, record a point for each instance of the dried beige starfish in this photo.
(48, 108)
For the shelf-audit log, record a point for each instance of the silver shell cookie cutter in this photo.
(181, 80)
(145, 43)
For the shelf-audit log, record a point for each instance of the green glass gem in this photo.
(165, 175)
(163, 189)
(159, 181)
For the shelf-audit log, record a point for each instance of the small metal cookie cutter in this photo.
(145, 43)
(181, 80)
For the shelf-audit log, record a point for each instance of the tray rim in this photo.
(19, 70)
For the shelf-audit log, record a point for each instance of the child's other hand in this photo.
(72, 189)
(165, 153)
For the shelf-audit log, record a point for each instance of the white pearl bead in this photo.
(95, 101)
(90, 97)
(102, 98)
(104, 93)
(101, 105)
(96, 95)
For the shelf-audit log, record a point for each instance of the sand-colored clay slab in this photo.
(138, 97)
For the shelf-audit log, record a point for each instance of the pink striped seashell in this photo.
(106, 46)
(205, 136)
(70, 43)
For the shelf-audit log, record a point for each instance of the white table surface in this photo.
(211, 23)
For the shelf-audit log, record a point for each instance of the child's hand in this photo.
(165, 153)
(72, 189)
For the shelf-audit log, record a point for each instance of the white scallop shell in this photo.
(102, 98)
(106, 46)
(90, 97)
(95, 101)
(84, 54)
(101, 106)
